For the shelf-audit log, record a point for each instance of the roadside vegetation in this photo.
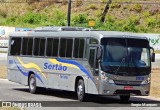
(121, 17)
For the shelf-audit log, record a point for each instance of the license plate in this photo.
(128, 88)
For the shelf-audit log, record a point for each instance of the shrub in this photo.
(3, 13)
(11, 19)
(130, 24)
(64, 2)
(115, 5)
(33, 18)
(151, 22)
(92, 6)
(79, 19)
(146, 14)
(136, 7)
(78, 3)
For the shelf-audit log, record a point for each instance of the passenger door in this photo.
(94, 64)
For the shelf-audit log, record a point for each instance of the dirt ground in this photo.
(3, 71)
(155, 83)
(9, 108)
(155, 80)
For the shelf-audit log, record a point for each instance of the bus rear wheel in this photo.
(32, 84)
(124, 98)
(81, 90)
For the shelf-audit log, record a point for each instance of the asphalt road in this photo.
(10, 91)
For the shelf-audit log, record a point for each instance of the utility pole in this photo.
(105, 11)
(69, 13)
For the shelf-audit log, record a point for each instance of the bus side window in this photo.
(66, 47)
(42, 47)
(39, 46)
(69, 47)
(62, 47)
(30, 46)
(52, 47)
(55, 47)
(79, 44)
(27, 46)
(15, 46)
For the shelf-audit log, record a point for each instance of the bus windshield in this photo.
(125, 56)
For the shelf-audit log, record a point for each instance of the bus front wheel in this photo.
(81, 90)
(124, 98)
(32, 84)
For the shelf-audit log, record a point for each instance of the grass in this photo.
(155, 83)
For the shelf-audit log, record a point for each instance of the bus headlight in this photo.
(111, 81)
(146, 81)
(103, 76)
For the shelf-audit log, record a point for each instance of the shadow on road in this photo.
(92, 99)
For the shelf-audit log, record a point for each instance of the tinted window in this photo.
(52, 47)
(42, 47)
(15, 46)
(79, 48)
(30, 46)
(66, 47)
(39, 46)
(69, 47)
(137, 43)
(49, 47)
(27, 46)
(63, 47)
(92, 57)
(55, 47)
(36, 46)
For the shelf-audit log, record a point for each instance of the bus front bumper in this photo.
(113, 89)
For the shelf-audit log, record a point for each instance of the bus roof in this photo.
(74, 32)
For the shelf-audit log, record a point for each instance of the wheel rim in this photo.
(32, 83)
(80, 90)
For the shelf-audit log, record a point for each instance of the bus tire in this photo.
(81, 90)
(32, 84)
(124, 98)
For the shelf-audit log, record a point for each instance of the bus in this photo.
(83, 60)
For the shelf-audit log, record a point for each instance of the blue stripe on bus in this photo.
(78, 65)
(26, 73)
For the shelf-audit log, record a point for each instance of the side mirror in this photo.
(99, 53)
(152, 55)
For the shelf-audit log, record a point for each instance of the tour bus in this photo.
(83, 60)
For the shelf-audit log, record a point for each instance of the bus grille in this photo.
(130, 83)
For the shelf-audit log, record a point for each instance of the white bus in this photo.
(81, 60)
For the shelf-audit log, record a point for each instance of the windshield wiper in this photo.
(116, 71)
